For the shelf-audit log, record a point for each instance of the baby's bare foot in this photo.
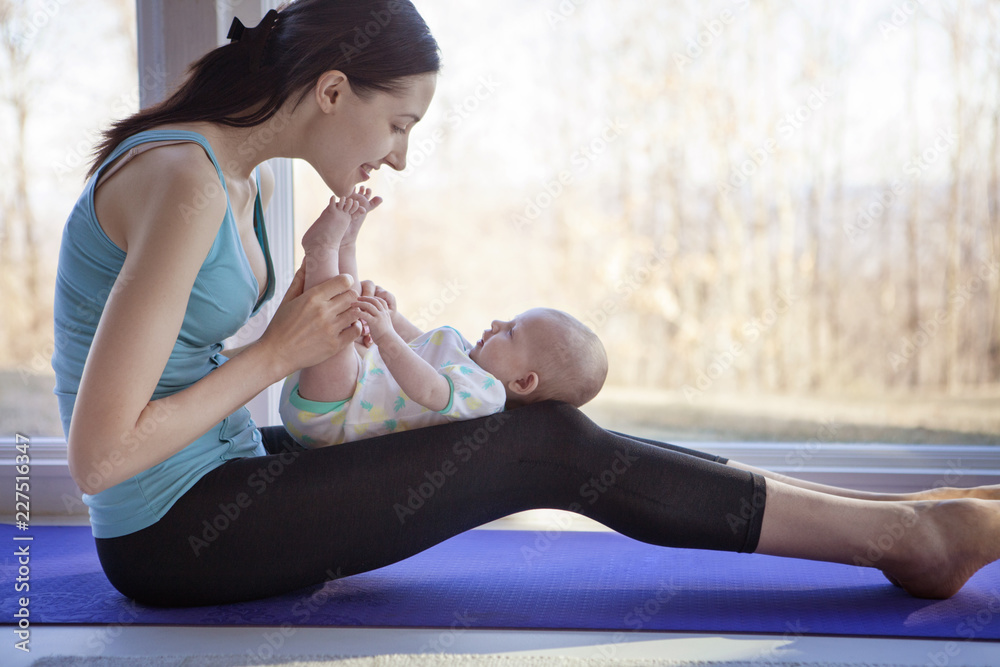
(949, 542)
(328, 230)
(365, 204)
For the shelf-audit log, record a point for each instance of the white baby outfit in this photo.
(379, 405)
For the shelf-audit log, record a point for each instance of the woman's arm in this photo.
(116, 430)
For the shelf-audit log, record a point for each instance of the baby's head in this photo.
(543, 354)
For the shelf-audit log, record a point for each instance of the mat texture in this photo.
(518, 579)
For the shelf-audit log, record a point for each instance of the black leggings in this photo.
(262, 526)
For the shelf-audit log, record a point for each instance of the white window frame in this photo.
(172, 33)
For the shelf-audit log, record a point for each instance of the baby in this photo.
(411, 379)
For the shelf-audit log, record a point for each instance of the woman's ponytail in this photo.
(375, 43)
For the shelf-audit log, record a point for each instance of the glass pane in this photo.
(66, 71)
(781, 218)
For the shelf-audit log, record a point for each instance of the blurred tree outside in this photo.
(769, 211)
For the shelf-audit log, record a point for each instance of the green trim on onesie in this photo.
(457, 332)
(451, 395)
(316, 407)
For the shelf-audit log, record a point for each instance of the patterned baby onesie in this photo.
(379, 405)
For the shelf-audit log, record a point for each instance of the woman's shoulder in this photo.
(171, 177)
(164, 156)
(168, 168)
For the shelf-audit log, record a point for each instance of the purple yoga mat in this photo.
(534, 580)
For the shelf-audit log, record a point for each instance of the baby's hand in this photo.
(375, 312)
(388, 297)
(369, 288)
(366, 204)
(328, 230)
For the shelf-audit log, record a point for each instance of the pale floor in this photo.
(258, 644)
(264, 643)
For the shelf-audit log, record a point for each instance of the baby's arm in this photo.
(406, 329)
(417, 378)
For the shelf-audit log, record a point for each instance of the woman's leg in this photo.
(940, 493)
(930, 548)
(258, 527)
(897, 537)
(262, 526)
(675, 448)
(991, 492)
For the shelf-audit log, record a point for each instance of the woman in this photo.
(165, 256)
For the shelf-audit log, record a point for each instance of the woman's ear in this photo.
(330, 90)
(525, 385)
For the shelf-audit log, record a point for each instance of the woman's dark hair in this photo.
(376, 43)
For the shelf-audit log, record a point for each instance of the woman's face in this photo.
(355, 135)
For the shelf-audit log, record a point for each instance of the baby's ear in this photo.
(525, 385)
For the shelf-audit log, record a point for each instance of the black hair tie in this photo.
(254, 39)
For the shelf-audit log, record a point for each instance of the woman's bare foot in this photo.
(948, 542)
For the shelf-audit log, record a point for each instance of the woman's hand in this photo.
(311, 326)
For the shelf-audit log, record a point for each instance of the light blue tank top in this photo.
(224, 297)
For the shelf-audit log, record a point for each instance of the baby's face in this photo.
(507, 348)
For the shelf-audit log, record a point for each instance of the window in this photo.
(782, 226)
